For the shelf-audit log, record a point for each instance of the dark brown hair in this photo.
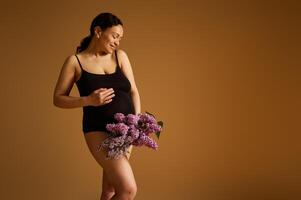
(103, 20)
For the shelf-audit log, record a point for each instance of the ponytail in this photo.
(84, 44)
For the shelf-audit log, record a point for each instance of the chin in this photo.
(109, 51)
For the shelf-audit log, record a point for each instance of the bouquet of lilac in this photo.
(130, 130)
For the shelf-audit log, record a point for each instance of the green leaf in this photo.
(158, 134)
(160, 123)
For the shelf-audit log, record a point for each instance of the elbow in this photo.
(55, 101)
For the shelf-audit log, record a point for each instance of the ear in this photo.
(97, 31)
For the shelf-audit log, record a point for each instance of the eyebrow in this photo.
(117, 33)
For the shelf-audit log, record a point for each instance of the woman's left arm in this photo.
(127, 70)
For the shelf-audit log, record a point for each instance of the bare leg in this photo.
(108, 191)
(119, 172)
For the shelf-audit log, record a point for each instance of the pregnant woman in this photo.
(103, 75)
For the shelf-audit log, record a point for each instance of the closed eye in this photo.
(116, 36)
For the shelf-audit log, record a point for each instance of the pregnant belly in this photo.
(121, 102)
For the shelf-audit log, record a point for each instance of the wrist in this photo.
(85, 101)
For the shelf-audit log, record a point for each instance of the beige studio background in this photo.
(224, 76)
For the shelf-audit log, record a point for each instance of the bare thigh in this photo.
(119, 172)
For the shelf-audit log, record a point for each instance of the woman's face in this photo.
(110, 38)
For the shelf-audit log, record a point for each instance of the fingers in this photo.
(100, 90)
(110, 97)
(106, 92)
(108, 101)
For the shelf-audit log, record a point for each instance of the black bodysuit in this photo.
(95, 118)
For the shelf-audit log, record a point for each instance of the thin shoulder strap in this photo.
(116, 57)
(79, 62)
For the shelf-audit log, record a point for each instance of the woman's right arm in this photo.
(64, 85)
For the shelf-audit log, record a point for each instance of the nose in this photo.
(116, 43)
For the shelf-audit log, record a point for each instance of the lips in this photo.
(113, 47)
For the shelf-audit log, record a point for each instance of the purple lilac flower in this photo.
(132, 119)
(145, 140)
(117, 129)
(133, 131)
(138, 142)
(114, 153)
(152, 128)
(113, 142)
(110, 128)
(146, 118)
(148, 124)
(128, 140)
(116, 142)
(151, 143)
(117, 152)
(121, 128)
(130, 130)
(120, 117)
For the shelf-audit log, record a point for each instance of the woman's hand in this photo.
(100, 97)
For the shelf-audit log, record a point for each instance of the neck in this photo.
(95, 50)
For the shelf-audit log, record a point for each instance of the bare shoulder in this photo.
(121, 52)
(71, 64)
(66, 77)
(122, 57)
(70, 61)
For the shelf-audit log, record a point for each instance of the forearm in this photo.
(136, 102)
(63, 101)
